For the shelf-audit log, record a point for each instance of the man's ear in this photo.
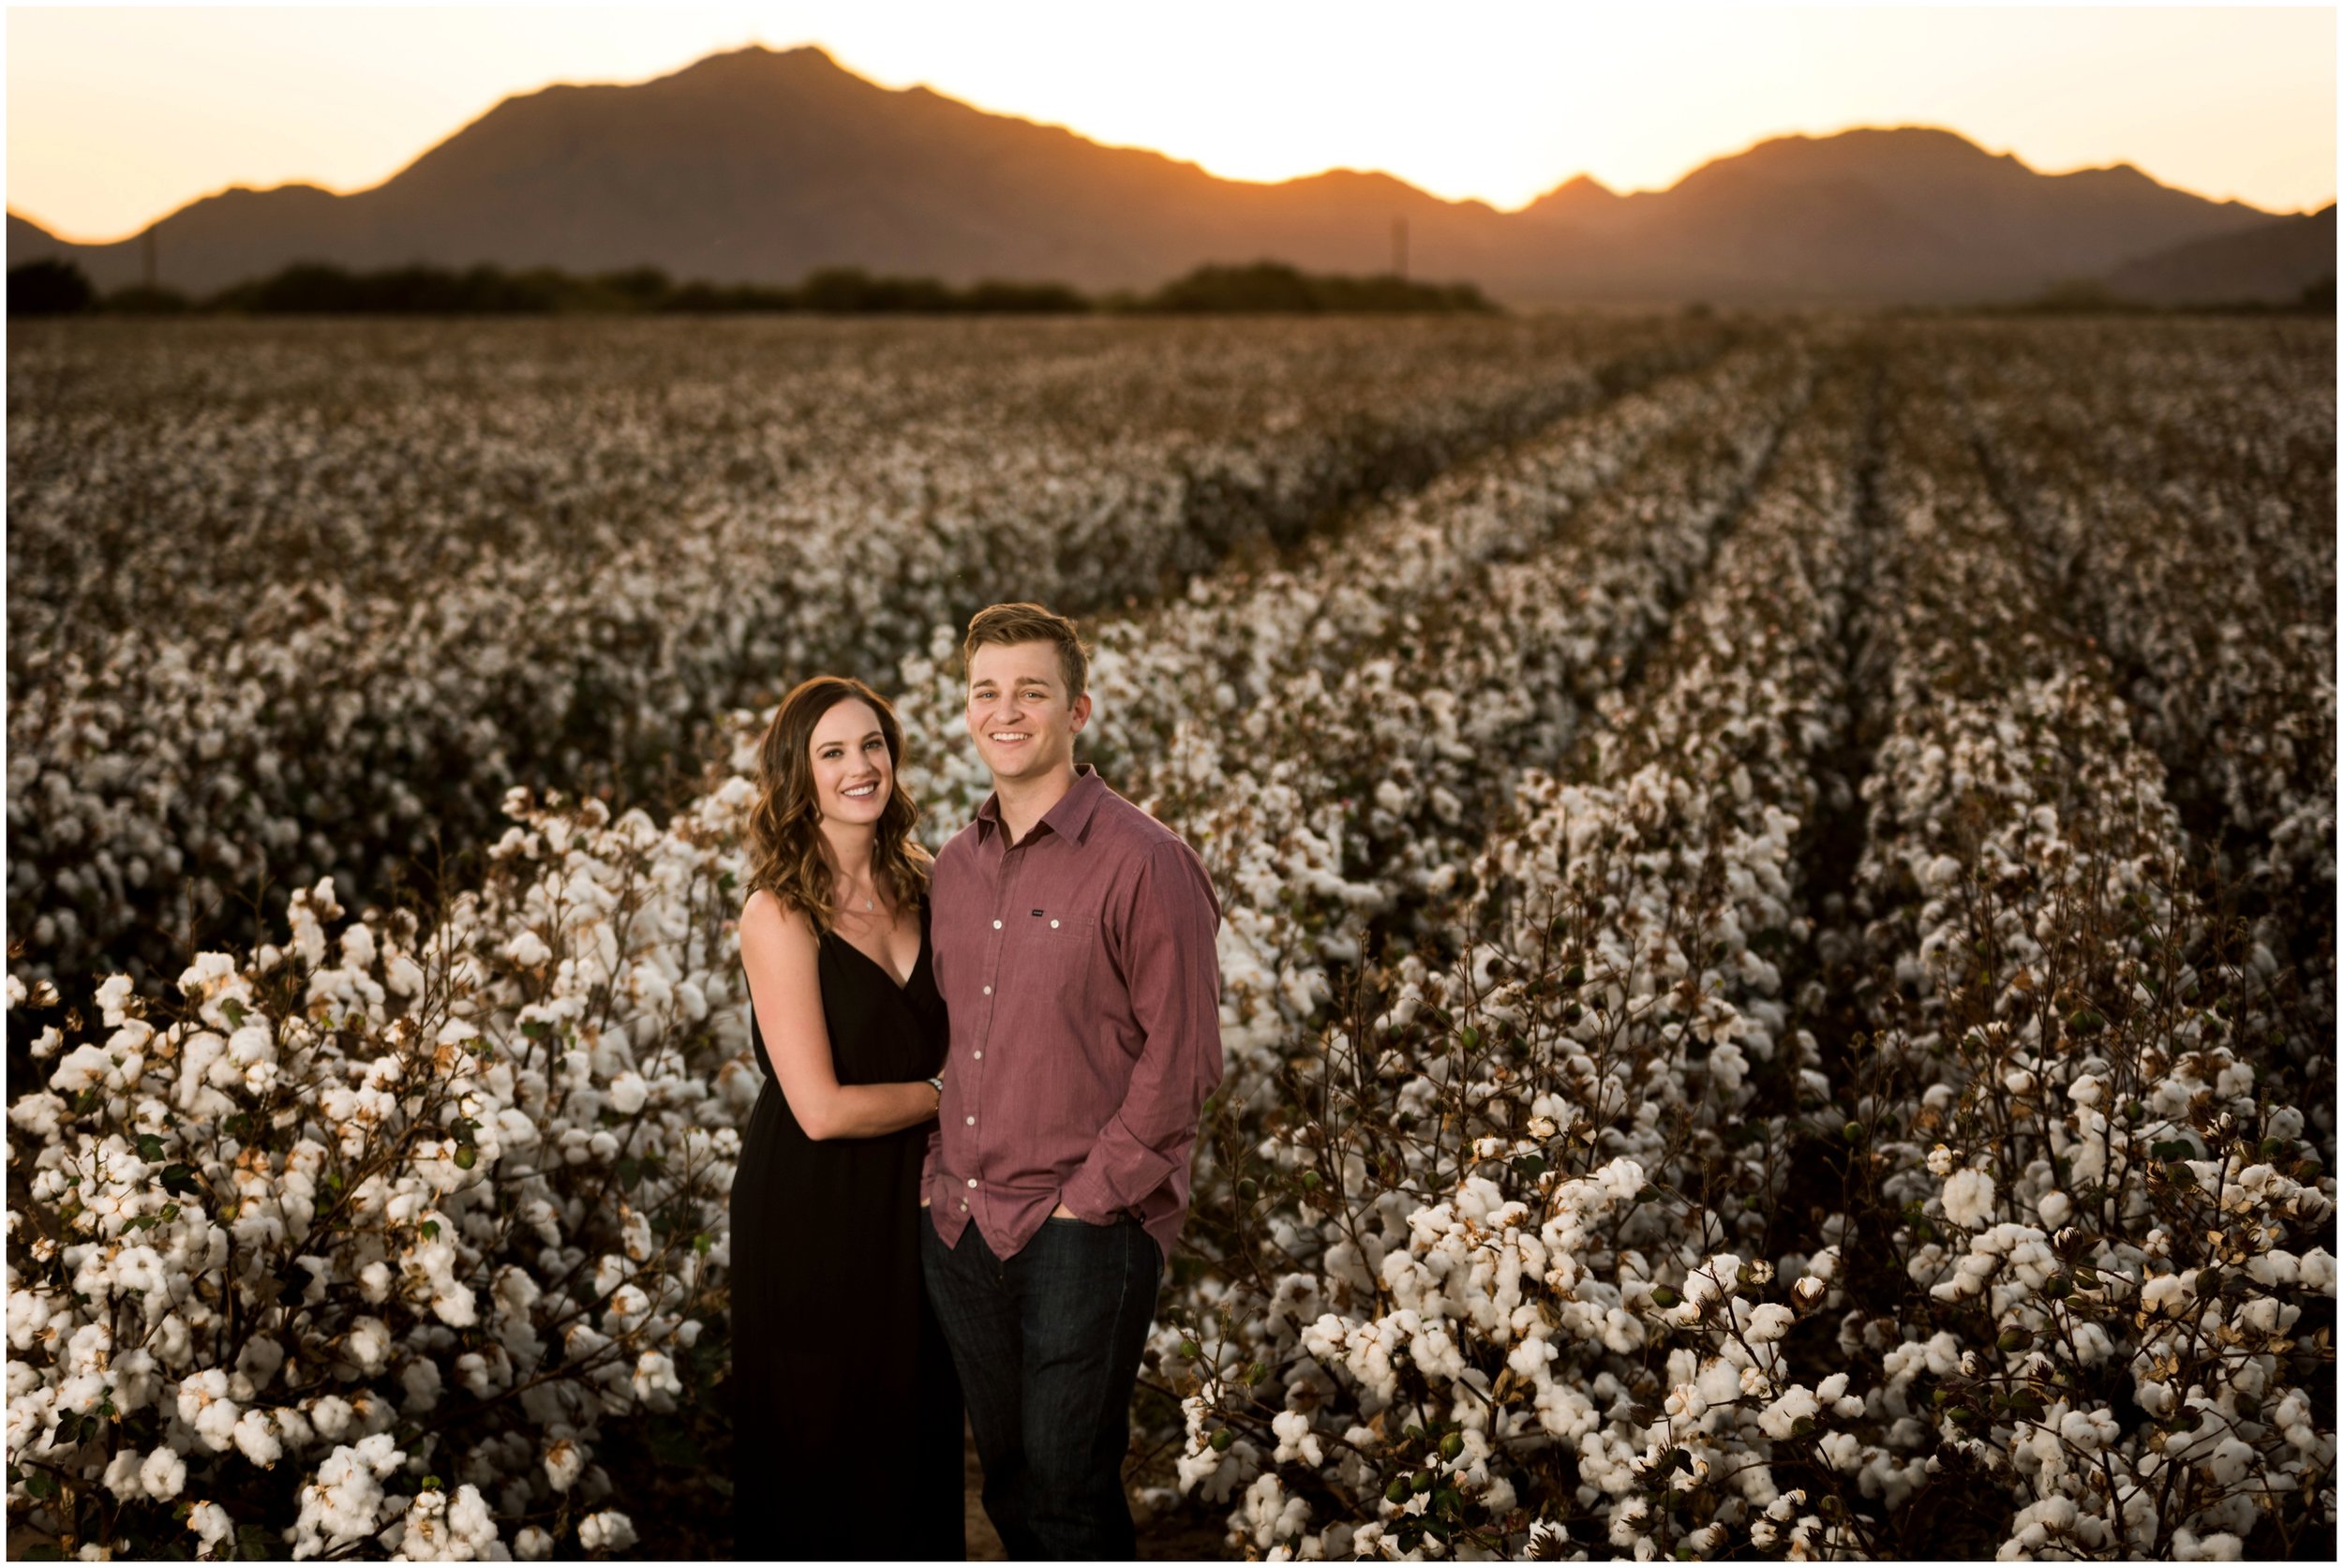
(1081, 713)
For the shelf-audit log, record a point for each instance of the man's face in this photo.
(1019, 711)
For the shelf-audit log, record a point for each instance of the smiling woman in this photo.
(835, 1349)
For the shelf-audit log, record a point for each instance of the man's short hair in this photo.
(1015, 623)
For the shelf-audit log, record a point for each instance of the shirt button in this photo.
(971, 1181)
(980, 1055)
(1053, 925)
(972, 1121)
(964, 1202)
(988, 991)
(996, 925)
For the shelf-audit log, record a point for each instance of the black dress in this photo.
(846, 1414)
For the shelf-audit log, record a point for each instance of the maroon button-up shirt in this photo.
(1085, 992)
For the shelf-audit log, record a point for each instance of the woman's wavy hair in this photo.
(786, 856)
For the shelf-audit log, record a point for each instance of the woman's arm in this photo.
(779, 949)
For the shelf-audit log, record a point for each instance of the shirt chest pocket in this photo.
(1057, 954)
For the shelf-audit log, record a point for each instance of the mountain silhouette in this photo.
(2270, 262)
(760, 166)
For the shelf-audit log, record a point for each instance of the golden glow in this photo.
(119, 115)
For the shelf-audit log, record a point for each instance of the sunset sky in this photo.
(119, 115)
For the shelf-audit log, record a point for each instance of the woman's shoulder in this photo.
(767, 916)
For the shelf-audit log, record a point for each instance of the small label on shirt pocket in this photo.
(1060, 951)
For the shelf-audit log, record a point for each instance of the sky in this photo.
(118, 115)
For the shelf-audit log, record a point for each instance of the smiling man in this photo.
(1072, 939)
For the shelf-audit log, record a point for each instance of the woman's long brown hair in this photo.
(786, 856)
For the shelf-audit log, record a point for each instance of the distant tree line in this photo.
(2089, 296)
(56, 287)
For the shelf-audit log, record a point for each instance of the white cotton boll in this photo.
(628, 1306)
(1295, 1441)
(655, 1382)
(331, 1415)
(140, 1270)
(607, 1532)
(257, 1439)
(368, 1344)
(122, 1475)
(113, 999)
(1969, 1198)
(1782, 1416)
(471, 1523)
(163, 1473)
(1770, 1323)
(527, 949)
(628, 1092)
(421, 1380)
(454, 1304)
(564, 1459)
(205, 974)
(533, 1544)
(210, 1522)
(515, 1128)
(402, 976)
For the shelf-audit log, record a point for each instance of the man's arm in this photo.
(1173, 971)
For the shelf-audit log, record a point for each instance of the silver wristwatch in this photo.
(937, 1085)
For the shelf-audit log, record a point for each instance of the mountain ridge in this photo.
(758, 165)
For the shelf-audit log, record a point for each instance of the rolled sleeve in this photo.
(1172, 968)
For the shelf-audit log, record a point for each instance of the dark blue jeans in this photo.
(1048, 1346)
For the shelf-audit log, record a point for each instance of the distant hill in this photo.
(2272, 262)
(761, 165)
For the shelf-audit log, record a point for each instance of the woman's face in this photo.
(852, 775)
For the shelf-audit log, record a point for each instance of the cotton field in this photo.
(1778, 973)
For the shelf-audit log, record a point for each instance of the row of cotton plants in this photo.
(2231, 673)
(1443, 1326)
(277, 627)
(352, 1245)
(2094, 1189)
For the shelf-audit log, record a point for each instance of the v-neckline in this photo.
(903, 985)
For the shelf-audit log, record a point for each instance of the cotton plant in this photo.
(356, 1243)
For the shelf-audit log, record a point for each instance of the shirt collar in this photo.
(1068, 819)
